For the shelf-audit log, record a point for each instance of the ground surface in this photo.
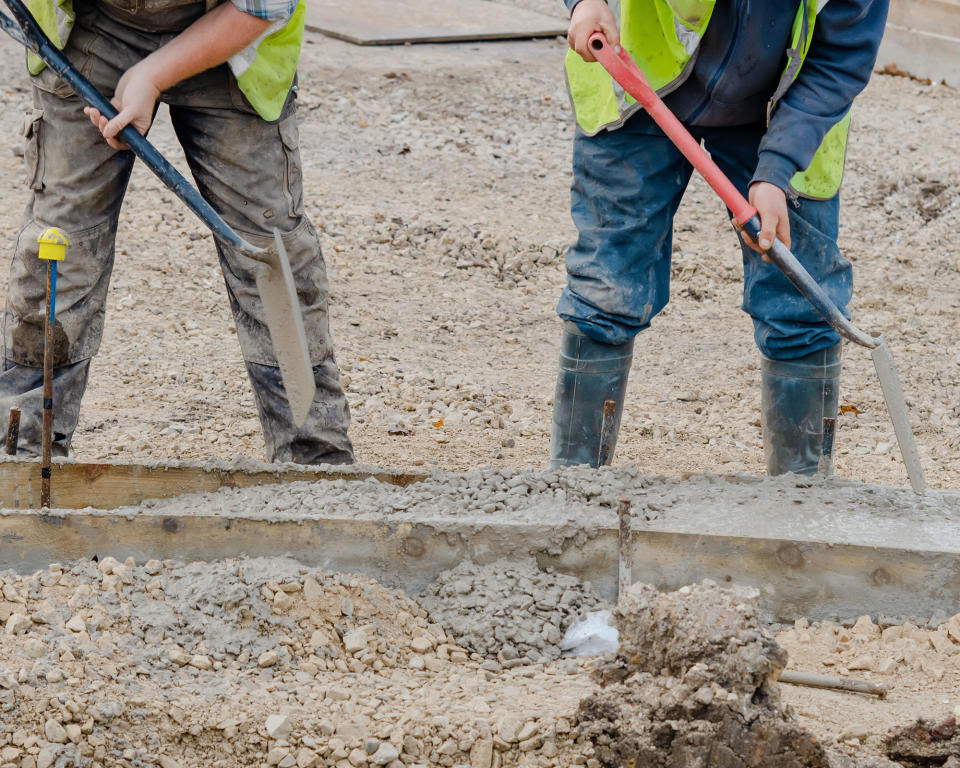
(264, 662)
(439, 178)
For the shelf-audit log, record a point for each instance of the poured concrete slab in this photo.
(392, 22)
(923, 38)
(825, 550)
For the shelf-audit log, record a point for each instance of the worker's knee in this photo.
(83, 278)
(308, 268)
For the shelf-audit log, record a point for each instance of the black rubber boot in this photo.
(797, 395)
(590, 373)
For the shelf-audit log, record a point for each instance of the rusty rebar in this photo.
(13, 432)
(608, 435)
(625, 551)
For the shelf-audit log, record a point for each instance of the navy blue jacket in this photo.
(739, 63)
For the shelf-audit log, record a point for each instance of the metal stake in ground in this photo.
(13, 431)
(53, 248)
(625, 561)
(607, 433)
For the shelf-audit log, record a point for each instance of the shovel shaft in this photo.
(34, 37)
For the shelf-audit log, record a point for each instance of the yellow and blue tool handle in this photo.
(24, 29)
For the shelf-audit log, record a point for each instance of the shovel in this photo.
(625, 71)
(274, 277)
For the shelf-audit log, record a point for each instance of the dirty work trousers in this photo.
(248, 169)
(627, 185)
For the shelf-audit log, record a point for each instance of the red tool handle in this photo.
(625, 71)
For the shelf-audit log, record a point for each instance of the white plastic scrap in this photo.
(594, 636)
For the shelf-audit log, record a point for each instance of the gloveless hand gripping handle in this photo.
(26, 31)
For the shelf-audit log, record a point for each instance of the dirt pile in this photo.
(509, 610)
(692, 685)
(927, 744)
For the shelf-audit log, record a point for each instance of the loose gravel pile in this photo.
(511, 611)
(253, 662)
(264, 662)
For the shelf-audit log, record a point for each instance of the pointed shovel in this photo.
(274, 278)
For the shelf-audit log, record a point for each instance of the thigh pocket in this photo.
(32, 154)
(293, 168)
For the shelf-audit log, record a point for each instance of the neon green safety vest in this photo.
(264, 72)
(662, 36)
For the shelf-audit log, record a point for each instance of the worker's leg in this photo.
(77, 183)
(251, 172)
(626, 188)
(800, 351)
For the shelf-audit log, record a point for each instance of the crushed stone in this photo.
(511, 611)
(262, 661)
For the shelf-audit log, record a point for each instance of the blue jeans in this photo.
(627, 185)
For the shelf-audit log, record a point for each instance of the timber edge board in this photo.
(108, 485)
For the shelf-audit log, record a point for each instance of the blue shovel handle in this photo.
(26, 31)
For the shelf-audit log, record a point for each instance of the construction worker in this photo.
(767, 86)
(228, 75)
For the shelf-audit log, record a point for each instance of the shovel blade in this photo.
(897, 406)
(281, 308)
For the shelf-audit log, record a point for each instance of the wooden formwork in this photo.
(821, 577)
(108, 485)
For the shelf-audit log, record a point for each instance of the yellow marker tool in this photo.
(53, 248)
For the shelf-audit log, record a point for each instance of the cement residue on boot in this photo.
(511, 610)
(691, 685)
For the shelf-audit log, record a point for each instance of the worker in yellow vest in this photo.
(227, 71)
(767, 86)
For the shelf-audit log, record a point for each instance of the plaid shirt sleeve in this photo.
(271, 10)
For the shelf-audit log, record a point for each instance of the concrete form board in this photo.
(392, 22)
(107, 485)
(817, 579)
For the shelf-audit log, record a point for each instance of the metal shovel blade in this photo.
(285, 323)
(897, 406)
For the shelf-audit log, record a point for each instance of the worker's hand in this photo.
(771, 204)
(135, 100)
(591, 16)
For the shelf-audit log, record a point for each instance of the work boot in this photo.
(796, 396)
(323, 437)
(590, 373)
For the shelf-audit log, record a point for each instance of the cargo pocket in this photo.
(32, 154)
(293, 169)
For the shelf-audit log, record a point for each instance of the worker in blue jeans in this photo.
(767, 87)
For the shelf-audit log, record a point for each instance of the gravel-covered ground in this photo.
(439, 178)
(254, 662)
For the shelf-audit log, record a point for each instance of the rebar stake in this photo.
(825, 465)
(13, 432)
(608, 436)
(625, 558)
(53, 248)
